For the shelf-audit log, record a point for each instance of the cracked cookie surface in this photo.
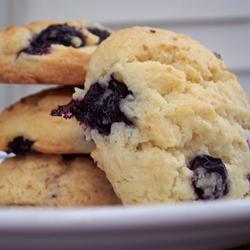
(63, 181)
(48, 52)
(191, 120)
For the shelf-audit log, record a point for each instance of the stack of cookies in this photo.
(160, 114)
(44, 159)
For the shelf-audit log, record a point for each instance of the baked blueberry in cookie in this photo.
(63, 34)
(101, 33)
(173, 128)
(20, 146)
(55, 34)
(99, 108)
(209, 177)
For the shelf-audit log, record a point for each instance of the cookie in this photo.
(28, 126)
(43, 180)
(48, 52)
(170, 122)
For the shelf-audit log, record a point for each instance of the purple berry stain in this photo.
(209, 177)
(99, 108)
(20, 146)
(54, 34)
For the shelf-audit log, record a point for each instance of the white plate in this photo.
(198, 225)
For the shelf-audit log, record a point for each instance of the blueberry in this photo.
(99, 108)
(210, 177)
(101, 33)
(20, 146)
(54, 34)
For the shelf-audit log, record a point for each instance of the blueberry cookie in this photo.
(48, 52)
(43, 180)
(28, 126)
(170, 122)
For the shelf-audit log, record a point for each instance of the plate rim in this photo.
(123, 217)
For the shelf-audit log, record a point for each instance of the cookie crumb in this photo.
(218, 55)
(53, 196)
